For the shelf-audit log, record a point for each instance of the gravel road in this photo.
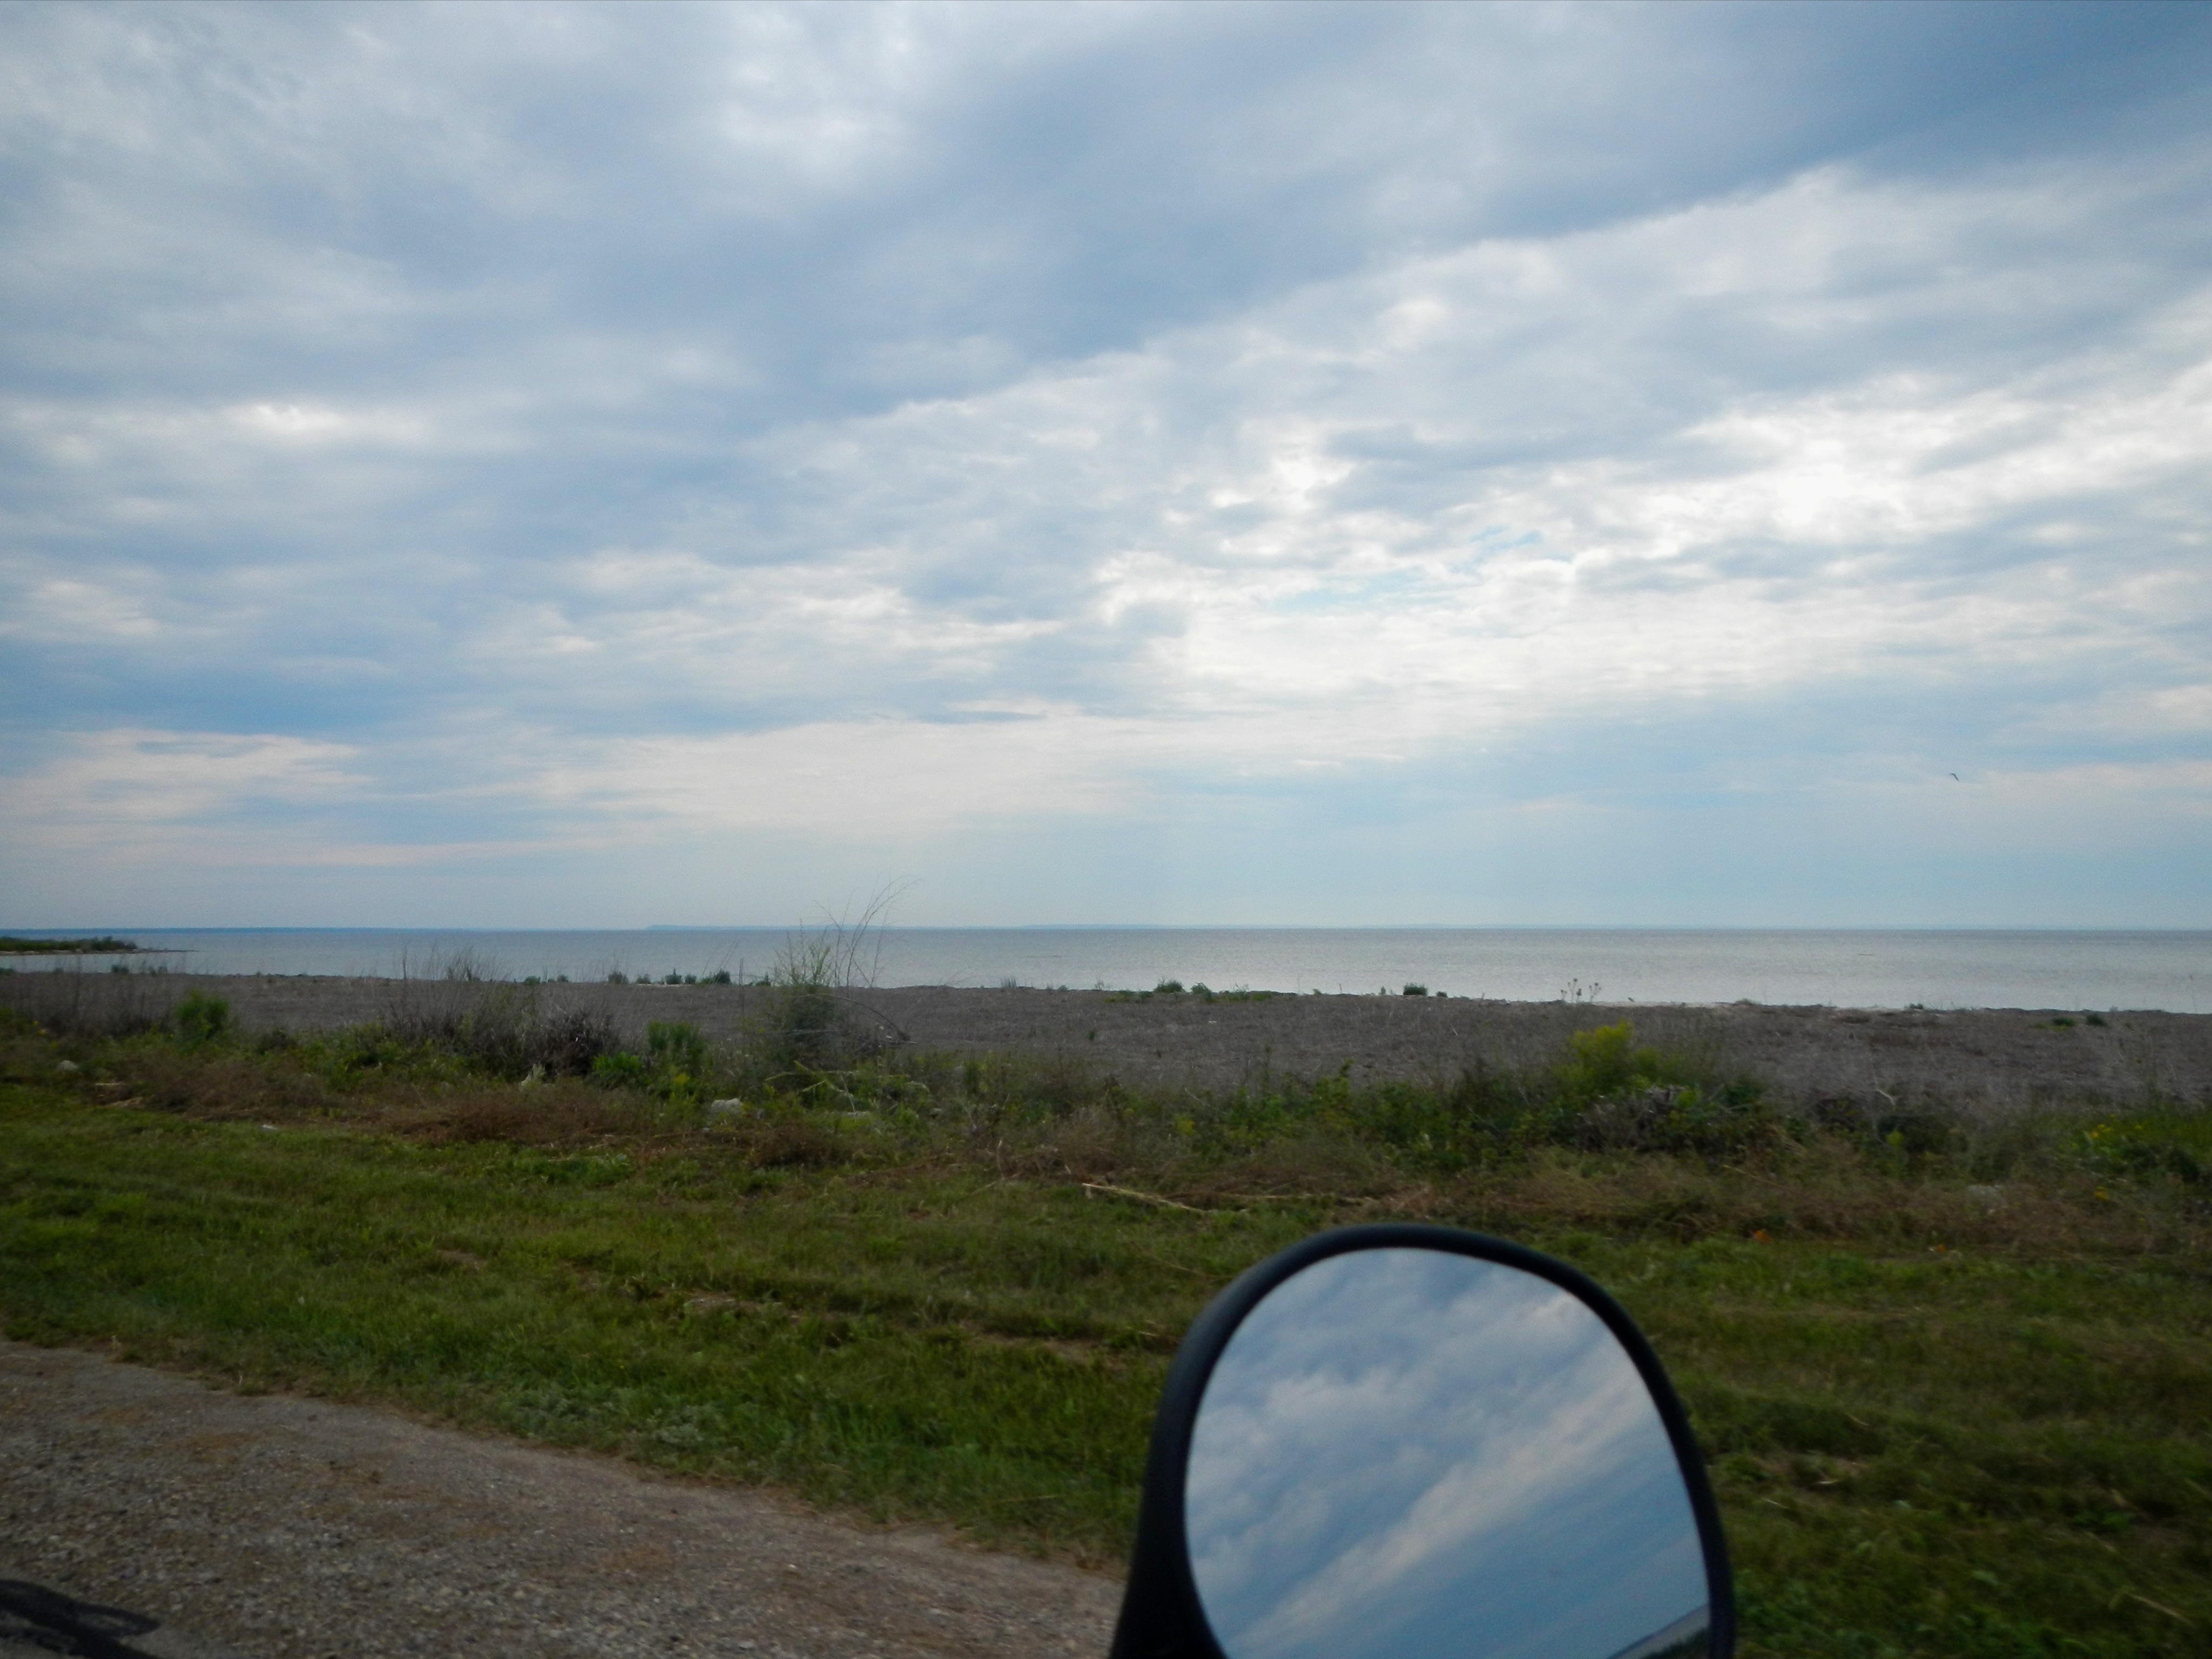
(282, 1527)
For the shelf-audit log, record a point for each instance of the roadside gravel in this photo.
(295, 1528)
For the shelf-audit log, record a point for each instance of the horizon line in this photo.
(114, 928)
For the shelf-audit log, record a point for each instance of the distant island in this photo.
(103, 946)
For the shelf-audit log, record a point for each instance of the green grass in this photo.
(1941, 1423)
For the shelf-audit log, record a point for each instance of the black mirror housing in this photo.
(1164, 1610)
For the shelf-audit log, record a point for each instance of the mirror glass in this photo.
(1406, 1454)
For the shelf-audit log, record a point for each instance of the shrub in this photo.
(620, 1070)
(1615, 1094)
(2150, 1145)
(201, 1018)
(676, 1049)
(499, 1029)
(672, 1066)
(569, 1044)
(1605, 1061)
(804, 1026)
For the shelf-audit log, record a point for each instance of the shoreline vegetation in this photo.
(1945, 1333)
(13, 945)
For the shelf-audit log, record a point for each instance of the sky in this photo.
(548, 465)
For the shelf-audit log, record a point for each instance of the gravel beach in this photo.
(1998, 1060)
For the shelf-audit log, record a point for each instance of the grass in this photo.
(1955, 1387)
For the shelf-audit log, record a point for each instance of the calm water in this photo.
(2169, 970)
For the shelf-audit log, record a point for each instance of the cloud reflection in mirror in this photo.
(1407, 1452)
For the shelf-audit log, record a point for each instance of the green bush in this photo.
(1606, 1061)
(674, 1065)
(1613, 1094)
(201, 1018)
(620, 1070)
(676, 1049)
(2153, 1145)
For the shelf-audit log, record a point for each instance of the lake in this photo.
(1843, 968)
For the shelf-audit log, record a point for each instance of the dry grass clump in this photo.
(217, 1083)
(509, 1030)
(1828, 1188)
(1815, 1184)
(79, 1004)
(561, 1113)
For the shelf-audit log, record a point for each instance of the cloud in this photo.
(126, 781)
(1091, 417)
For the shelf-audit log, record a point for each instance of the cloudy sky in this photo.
(580, 466)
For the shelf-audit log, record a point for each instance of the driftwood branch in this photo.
(1141, 1198)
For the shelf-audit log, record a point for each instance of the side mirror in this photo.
(1411, 1443)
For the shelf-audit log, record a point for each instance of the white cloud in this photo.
(583, 425)
(1752, 543)
(58, 608)
(129, 780)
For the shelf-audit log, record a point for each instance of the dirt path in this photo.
(293, 1528)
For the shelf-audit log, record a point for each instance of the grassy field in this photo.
(1955, 1386)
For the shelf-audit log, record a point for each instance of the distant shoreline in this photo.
(105, 945)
